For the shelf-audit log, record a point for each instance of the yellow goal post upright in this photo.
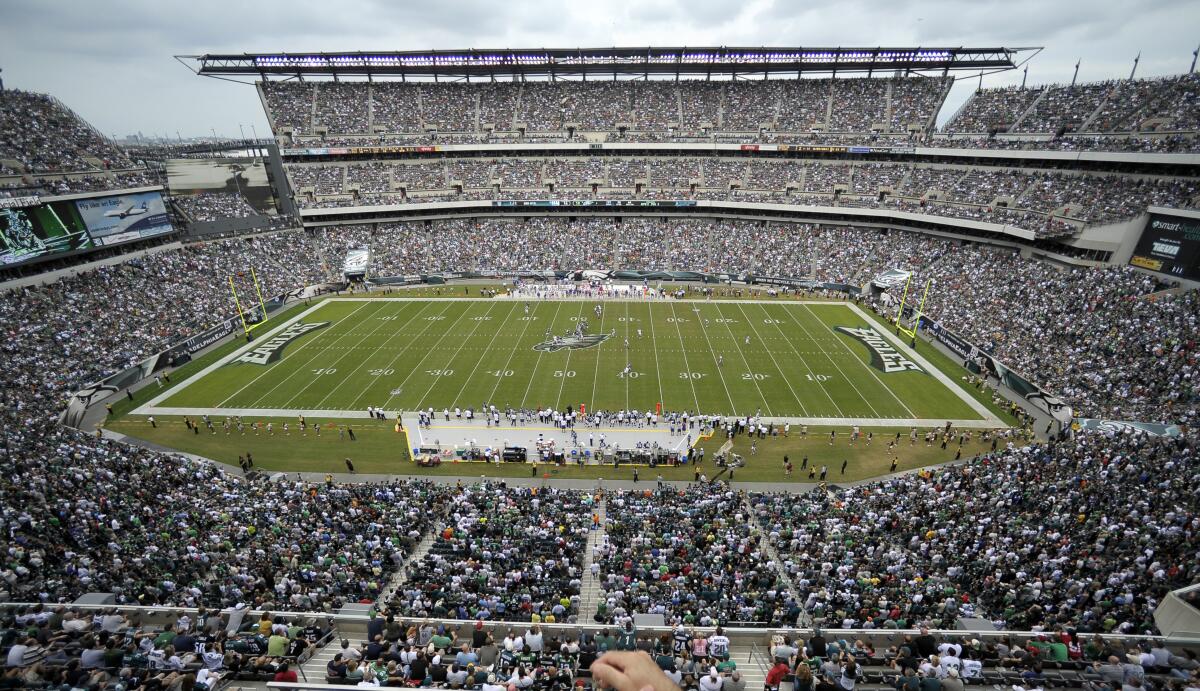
(916, 320)
(237, 301)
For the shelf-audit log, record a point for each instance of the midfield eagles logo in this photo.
(573, 342)
(883, 355)
(270, 350)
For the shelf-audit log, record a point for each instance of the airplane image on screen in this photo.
(128, 211)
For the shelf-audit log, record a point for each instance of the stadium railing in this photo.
(348, 623)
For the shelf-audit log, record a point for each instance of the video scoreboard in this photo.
(1170, 245)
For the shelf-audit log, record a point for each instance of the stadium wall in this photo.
(352, 623)
(228, 226)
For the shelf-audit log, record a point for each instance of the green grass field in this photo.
(378, 449)
(783, 359)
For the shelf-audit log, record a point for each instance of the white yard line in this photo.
(657, 370)
(513, 351)
(417, 339)
(683, 347)
(362, 414)
(802, 359)
(732, 406)
(402, 351)
(566, 366)
(331, 365)
(596, 371)
(462, 344)
(865, 365)
(786, 380)
(495, 332)
(289, 356)
(226, 359)
(749, 370)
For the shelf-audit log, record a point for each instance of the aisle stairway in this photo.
(402, 573)
(749, 665)
(590, 593)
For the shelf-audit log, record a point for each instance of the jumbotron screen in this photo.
(32, 232)
(1170, 245)
(38, 228)
(124, 217)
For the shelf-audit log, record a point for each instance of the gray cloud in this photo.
(112, 63)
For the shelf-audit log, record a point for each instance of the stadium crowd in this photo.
(504, 554)
(690, 555)
(44, 136)
(1042, 201)
(813, 111)
(1045, 537)
(1159, 104)
(214, 206)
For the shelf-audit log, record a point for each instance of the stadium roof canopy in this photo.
(606, 62)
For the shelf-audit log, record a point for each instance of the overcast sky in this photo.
(112, 62)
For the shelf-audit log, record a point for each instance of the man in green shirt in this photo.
(627, 639)
(1058, 651)
(277, 645)
(441, 641)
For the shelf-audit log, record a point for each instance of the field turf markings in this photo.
(566, 365)
(736, 346)
(596, 370)
(429, 350)
(627, 358)
(538, 361)
(683, 346)
(529, 319)
(792, 344)
(413, 340)
(367, 359)
(487, 351)
(864, 364)
(786, 379)
(462, 343)
(333, 365)
(654, 346)
(832, 360)
(288, 354)
(289, 357)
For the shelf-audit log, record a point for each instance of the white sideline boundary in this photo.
(934, 372)
(989, 420)
(151, 407)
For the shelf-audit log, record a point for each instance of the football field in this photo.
(817, 362)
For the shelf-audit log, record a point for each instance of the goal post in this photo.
(237, 301)
(916, 320)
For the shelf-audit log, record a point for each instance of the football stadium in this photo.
(672, 368)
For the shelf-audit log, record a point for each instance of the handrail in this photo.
(758, 658)
(464, 624)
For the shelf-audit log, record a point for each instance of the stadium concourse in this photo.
(1055, 551)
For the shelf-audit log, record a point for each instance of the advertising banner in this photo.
(1153, 429)
(124, 217)
(979, 362)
